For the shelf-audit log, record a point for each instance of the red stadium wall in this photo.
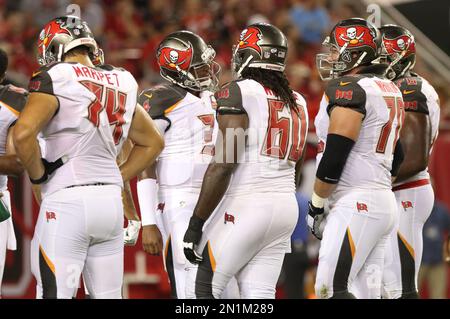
(440, 167)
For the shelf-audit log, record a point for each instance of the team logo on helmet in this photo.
(355, 36)
(49, 32)
(249, 38)
(174, 59)
(399, 44)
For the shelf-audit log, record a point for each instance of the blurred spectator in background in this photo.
(42, 11)
(93, 14)
(297, 262)
(433, 270)
(311, 19)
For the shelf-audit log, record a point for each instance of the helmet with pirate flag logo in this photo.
(63, 34)
(186, 60)
(352, 42)
(399, 48)
(261, 45)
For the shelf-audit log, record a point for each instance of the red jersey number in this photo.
(208, 121)
(396, 109)
(285, 134)
(114, 101)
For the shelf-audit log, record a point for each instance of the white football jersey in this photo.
(276, 137)
(12, 101)
(93, 102)
(369, 163)
(189, 127)
(419, 96)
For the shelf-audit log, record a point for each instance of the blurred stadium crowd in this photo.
(129, 32)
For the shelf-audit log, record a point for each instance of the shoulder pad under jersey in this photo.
(346, 92)
(229, 99)
(160, 100)
(14, 97)
(109, 67)
(413, 96)
(41, 80)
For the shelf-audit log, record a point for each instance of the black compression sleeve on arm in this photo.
(399, 156)
(337, 149)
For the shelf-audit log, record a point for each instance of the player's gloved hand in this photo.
(131, 233)
(192, 238)
(49, 169)
(314, 219)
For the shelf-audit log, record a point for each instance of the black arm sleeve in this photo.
(399, 156)
(229, 100)
(346, 92)
(333, 161)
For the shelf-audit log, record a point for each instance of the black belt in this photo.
(94, 184)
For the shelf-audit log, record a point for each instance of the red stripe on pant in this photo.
(420, 182)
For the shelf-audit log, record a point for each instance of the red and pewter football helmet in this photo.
(399, 48)
(352, 42)
(61, 35)
(261, 45)
(186, 60)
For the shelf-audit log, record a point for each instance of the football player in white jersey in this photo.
(250, 183)
(12, 100)
(412, 188)
(74, 104)
(357, 125)
(183, 111)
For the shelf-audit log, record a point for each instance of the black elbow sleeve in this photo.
(335, 156)
(399, 156)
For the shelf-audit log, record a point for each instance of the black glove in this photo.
(314, 219)
(49, 169)
(192, 238)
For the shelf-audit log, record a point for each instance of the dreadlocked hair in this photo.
(275, 81)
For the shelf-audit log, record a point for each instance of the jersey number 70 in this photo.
(113, 100)
(285, 134)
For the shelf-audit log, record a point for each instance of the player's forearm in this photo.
(147, 195)
(215, 184)
(10, 165)
(37, 192)
(409, 168)
(28, 151)
(139, 159)
(415, 159)
(128, 203)
(323, 189)
(298, 168)
(415, 138)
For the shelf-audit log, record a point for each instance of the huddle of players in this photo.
(224, 224)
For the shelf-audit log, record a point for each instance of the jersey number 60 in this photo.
(285, 134)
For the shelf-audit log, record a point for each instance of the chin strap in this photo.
(407, 67)
(243, 66)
